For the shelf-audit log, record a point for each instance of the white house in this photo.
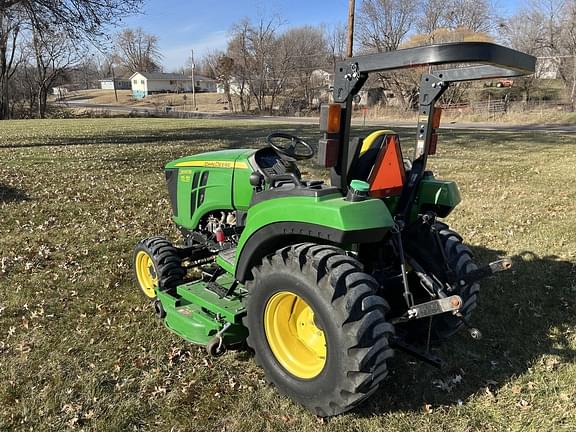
(147, 83)
(547, 68)
(321, 86)
(320, 77)
(235, 87)
(64, 90)
(121, 84)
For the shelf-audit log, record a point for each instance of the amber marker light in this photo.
(334, 117)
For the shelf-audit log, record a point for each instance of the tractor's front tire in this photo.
(317, 328)
(156, 266)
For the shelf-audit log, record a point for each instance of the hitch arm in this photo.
(486, 271)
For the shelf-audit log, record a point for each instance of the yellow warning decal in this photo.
(213, 164)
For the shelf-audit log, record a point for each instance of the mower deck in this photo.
(198, 314)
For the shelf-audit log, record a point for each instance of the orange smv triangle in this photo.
(387, 176)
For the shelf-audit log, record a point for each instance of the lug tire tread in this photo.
(460, 259)
(166, 260)
(356, 309)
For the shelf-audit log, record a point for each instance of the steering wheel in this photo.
(289, 150)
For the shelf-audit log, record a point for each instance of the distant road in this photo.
(496, 127)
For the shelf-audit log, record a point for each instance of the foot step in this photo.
(217, 289)
(228, 255)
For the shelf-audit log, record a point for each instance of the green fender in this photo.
(331, 219)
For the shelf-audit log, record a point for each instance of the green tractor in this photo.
(324, 282)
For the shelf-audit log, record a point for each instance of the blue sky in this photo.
(182, 25)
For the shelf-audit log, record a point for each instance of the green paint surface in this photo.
(331, 211)
(438, 192)
(227, 187)
(219, 155)
(198, 314)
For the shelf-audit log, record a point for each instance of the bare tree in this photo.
(305, 51)
(202, 66)
(262, 45)
(384, 24)
(81, 20)
(437, 17)
(239, 52)
(474, 15)
(223, 70)
(567, 57)
(336, 41)
(547, 28)
(10, 25)
(87, 72)
(257, 60)
(432, 17)
(523, 32)
(54, 55)
(77, 18)
(138, 51)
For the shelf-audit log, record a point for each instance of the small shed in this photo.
(147, 83)
(118, 83)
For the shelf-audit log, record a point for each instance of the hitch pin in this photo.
(474, 332)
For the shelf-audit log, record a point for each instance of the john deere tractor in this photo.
(325, 281)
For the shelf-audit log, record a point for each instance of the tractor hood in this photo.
(204, 183)
(237, 158)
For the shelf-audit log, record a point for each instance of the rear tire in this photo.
(460, 260)
(317, 328)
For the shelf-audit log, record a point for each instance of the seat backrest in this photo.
(379, 162)
(367, 154)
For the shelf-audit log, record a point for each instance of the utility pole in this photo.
(193, 83)
(351, 9)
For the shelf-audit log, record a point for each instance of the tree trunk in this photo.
(31, 102)
(272, 99)
(228, 95)
(573, 93)
(42, 97)
(4, 97)
(241, 96)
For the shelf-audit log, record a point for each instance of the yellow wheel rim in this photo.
(296, 342)
(146, 274)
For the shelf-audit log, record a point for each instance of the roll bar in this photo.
(504, 62)
(482, 61)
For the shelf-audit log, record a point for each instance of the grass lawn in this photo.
(80, 348)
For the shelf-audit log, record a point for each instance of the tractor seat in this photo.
(367, 154)
(378, 161)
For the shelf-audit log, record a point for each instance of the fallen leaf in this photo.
(523, 404)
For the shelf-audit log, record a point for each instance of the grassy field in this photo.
(80, 348)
